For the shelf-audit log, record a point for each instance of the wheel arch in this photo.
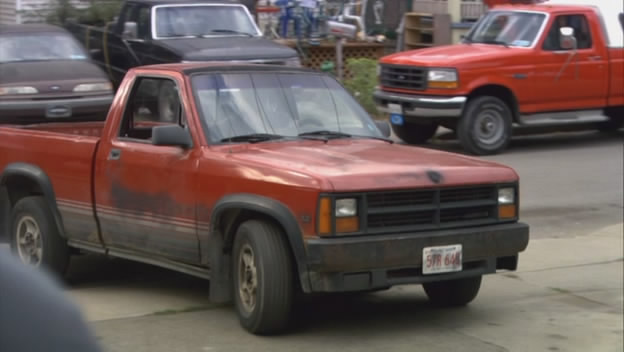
(19, 180)
(499, 91)
(227, 215)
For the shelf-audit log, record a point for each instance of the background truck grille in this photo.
(403, 77)
(431, 209)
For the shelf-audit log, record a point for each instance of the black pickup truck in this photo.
(150, 32)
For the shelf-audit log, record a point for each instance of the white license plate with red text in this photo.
(442, 259)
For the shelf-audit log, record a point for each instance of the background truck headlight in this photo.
(293, 62)
(94, 87)
(346, 207)
(506, 195)
(442, 78)
(18, 90)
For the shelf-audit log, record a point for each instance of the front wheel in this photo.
(485, 127)
(452, 293)
(263, 277)
(35, 239)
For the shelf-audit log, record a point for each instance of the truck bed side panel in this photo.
(616, 75)
(67, 161)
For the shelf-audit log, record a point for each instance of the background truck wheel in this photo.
(453, 293)
(35, 238)
(485, 127)
(414, 133)
(263, 277)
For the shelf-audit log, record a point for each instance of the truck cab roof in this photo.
(201, 67)
(608, 11)
(177, 2)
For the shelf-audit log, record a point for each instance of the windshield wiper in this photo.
(253, 138)
(229, 31)
(499, 42)
(324, 134)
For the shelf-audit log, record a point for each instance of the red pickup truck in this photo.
(267, 180)
(548, 64)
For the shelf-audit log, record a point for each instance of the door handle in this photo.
(595, 58)
(115, 154)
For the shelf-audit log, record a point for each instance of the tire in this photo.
(485, 127)
(34, 236)
(261, 258)
(453, 293)
(413, 133)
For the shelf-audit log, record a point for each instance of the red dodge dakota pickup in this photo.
(266, 180)
(555, 63)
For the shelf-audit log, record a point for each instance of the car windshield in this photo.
(512, 28)
(206, 20)
(278, 104)
(39, 47)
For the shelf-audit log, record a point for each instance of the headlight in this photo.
(18, 90)
(94, 87)
(506, 196)
(293, 62)
(346, 207)
(442, 78)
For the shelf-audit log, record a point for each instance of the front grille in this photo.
(415, 210)
(403, 77)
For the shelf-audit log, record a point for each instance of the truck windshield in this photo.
(278, 104)
(510, 28)
(39, 47)
(203, 20)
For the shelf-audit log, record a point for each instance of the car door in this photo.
(569, 79)
(145, 194)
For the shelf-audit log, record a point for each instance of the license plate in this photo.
(442, 259)
(395, 108)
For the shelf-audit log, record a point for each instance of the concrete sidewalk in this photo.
(566, 296)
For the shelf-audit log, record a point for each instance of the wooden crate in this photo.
(423, 30)
(316, 55)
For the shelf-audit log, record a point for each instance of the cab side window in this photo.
(153, 102)
(581, 32)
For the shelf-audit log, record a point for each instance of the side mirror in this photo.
(384, 127)
(567, 41)
(171, 135)
(130, 30)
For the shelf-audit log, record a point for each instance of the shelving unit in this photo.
(422, 30)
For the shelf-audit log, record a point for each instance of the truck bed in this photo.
(64, 152)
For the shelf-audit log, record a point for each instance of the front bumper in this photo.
(366, 263)
(422, 106)
(31, 111)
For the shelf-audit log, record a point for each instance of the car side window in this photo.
(581, 32)
(143, 23)
(153, 102)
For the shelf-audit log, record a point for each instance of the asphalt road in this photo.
(567, 295)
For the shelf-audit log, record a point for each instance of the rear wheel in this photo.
(263, 277)
(485, 127)
(414, 133)
(453, 293)
(35, 239)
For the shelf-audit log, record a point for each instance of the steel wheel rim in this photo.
(489, 127)
(29, 242)
(247, 278)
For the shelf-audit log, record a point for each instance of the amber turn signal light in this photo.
(444, 85)
(325, 217)
(507, 211)
(350, 224)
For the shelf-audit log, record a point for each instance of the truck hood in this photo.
(362, 165)
(228, 48)
(451, 55)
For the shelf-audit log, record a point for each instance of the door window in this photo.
(153, 102)
(581, 32)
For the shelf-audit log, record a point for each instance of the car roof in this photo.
(180, 2)
(192, 68)
(30, 28)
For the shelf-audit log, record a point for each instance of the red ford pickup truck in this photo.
(546, 64)
(266, 180)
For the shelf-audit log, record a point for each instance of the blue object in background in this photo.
(397, 119)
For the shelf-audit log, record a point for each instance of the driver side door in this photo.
(146, 194)
(568, 80)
